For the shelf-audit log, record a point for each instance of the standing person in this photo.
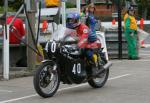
(131, 33)
(91, 22)
(17, 30)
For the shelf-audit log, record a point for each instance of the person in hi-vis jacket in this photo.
(130, 27)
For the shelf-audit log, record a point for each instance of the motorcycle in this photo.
(65, 63)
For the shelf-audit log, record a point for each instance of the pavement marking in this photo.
(117, 77)
(33, 95)
(16, 99)
(6, 91)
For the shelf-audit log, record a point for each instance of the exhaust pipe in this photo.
(107, 65)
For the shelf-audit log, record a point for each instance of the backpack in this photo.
(52, 3)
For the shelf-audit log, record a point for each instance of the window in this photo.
(95, 1)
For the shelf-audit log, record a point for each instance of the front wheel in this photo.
(46, 79)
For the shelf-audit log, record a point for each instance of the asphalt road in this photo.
(129, 82)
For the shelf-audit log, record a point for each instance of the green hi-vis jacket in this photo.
(130, 23)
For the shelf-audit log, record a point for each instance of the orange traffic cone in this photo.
(142, 23)
(142, 44)
(142, 27)
(44, 26)
(113, 22)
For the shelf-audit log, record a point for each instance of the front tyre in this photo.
(46, 79)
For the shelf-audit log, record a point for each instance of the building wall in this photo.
(101, 7)
(102, 10)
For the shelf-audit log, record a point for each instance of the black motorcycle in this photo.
(67, 64)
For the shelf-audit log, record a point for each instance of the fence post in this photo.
(31, 56)
(6, 53)
(63, 12)
(6, 45)
(78, 4)
(119, 31)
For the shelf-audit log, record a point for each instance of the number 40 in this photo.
(76, 68)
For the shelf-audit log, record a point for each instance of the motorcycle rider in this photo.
(87, 41)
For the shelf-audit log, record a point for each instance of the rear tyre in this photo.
(46, 79)
(100, 80)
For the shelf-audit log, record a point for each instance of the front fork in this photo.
(53, 71)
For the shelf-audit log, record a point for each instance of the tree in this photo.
(2, 3)
(144, 6)
(15, 4)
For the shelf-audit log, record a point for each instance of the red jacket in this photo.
(82, 32)
(18, 24)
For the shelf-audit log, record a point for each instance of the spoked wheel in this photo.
(46, 79)
(101, 79)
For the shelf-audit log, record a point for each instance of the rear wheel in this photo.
(46, 79)
(101, 79)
